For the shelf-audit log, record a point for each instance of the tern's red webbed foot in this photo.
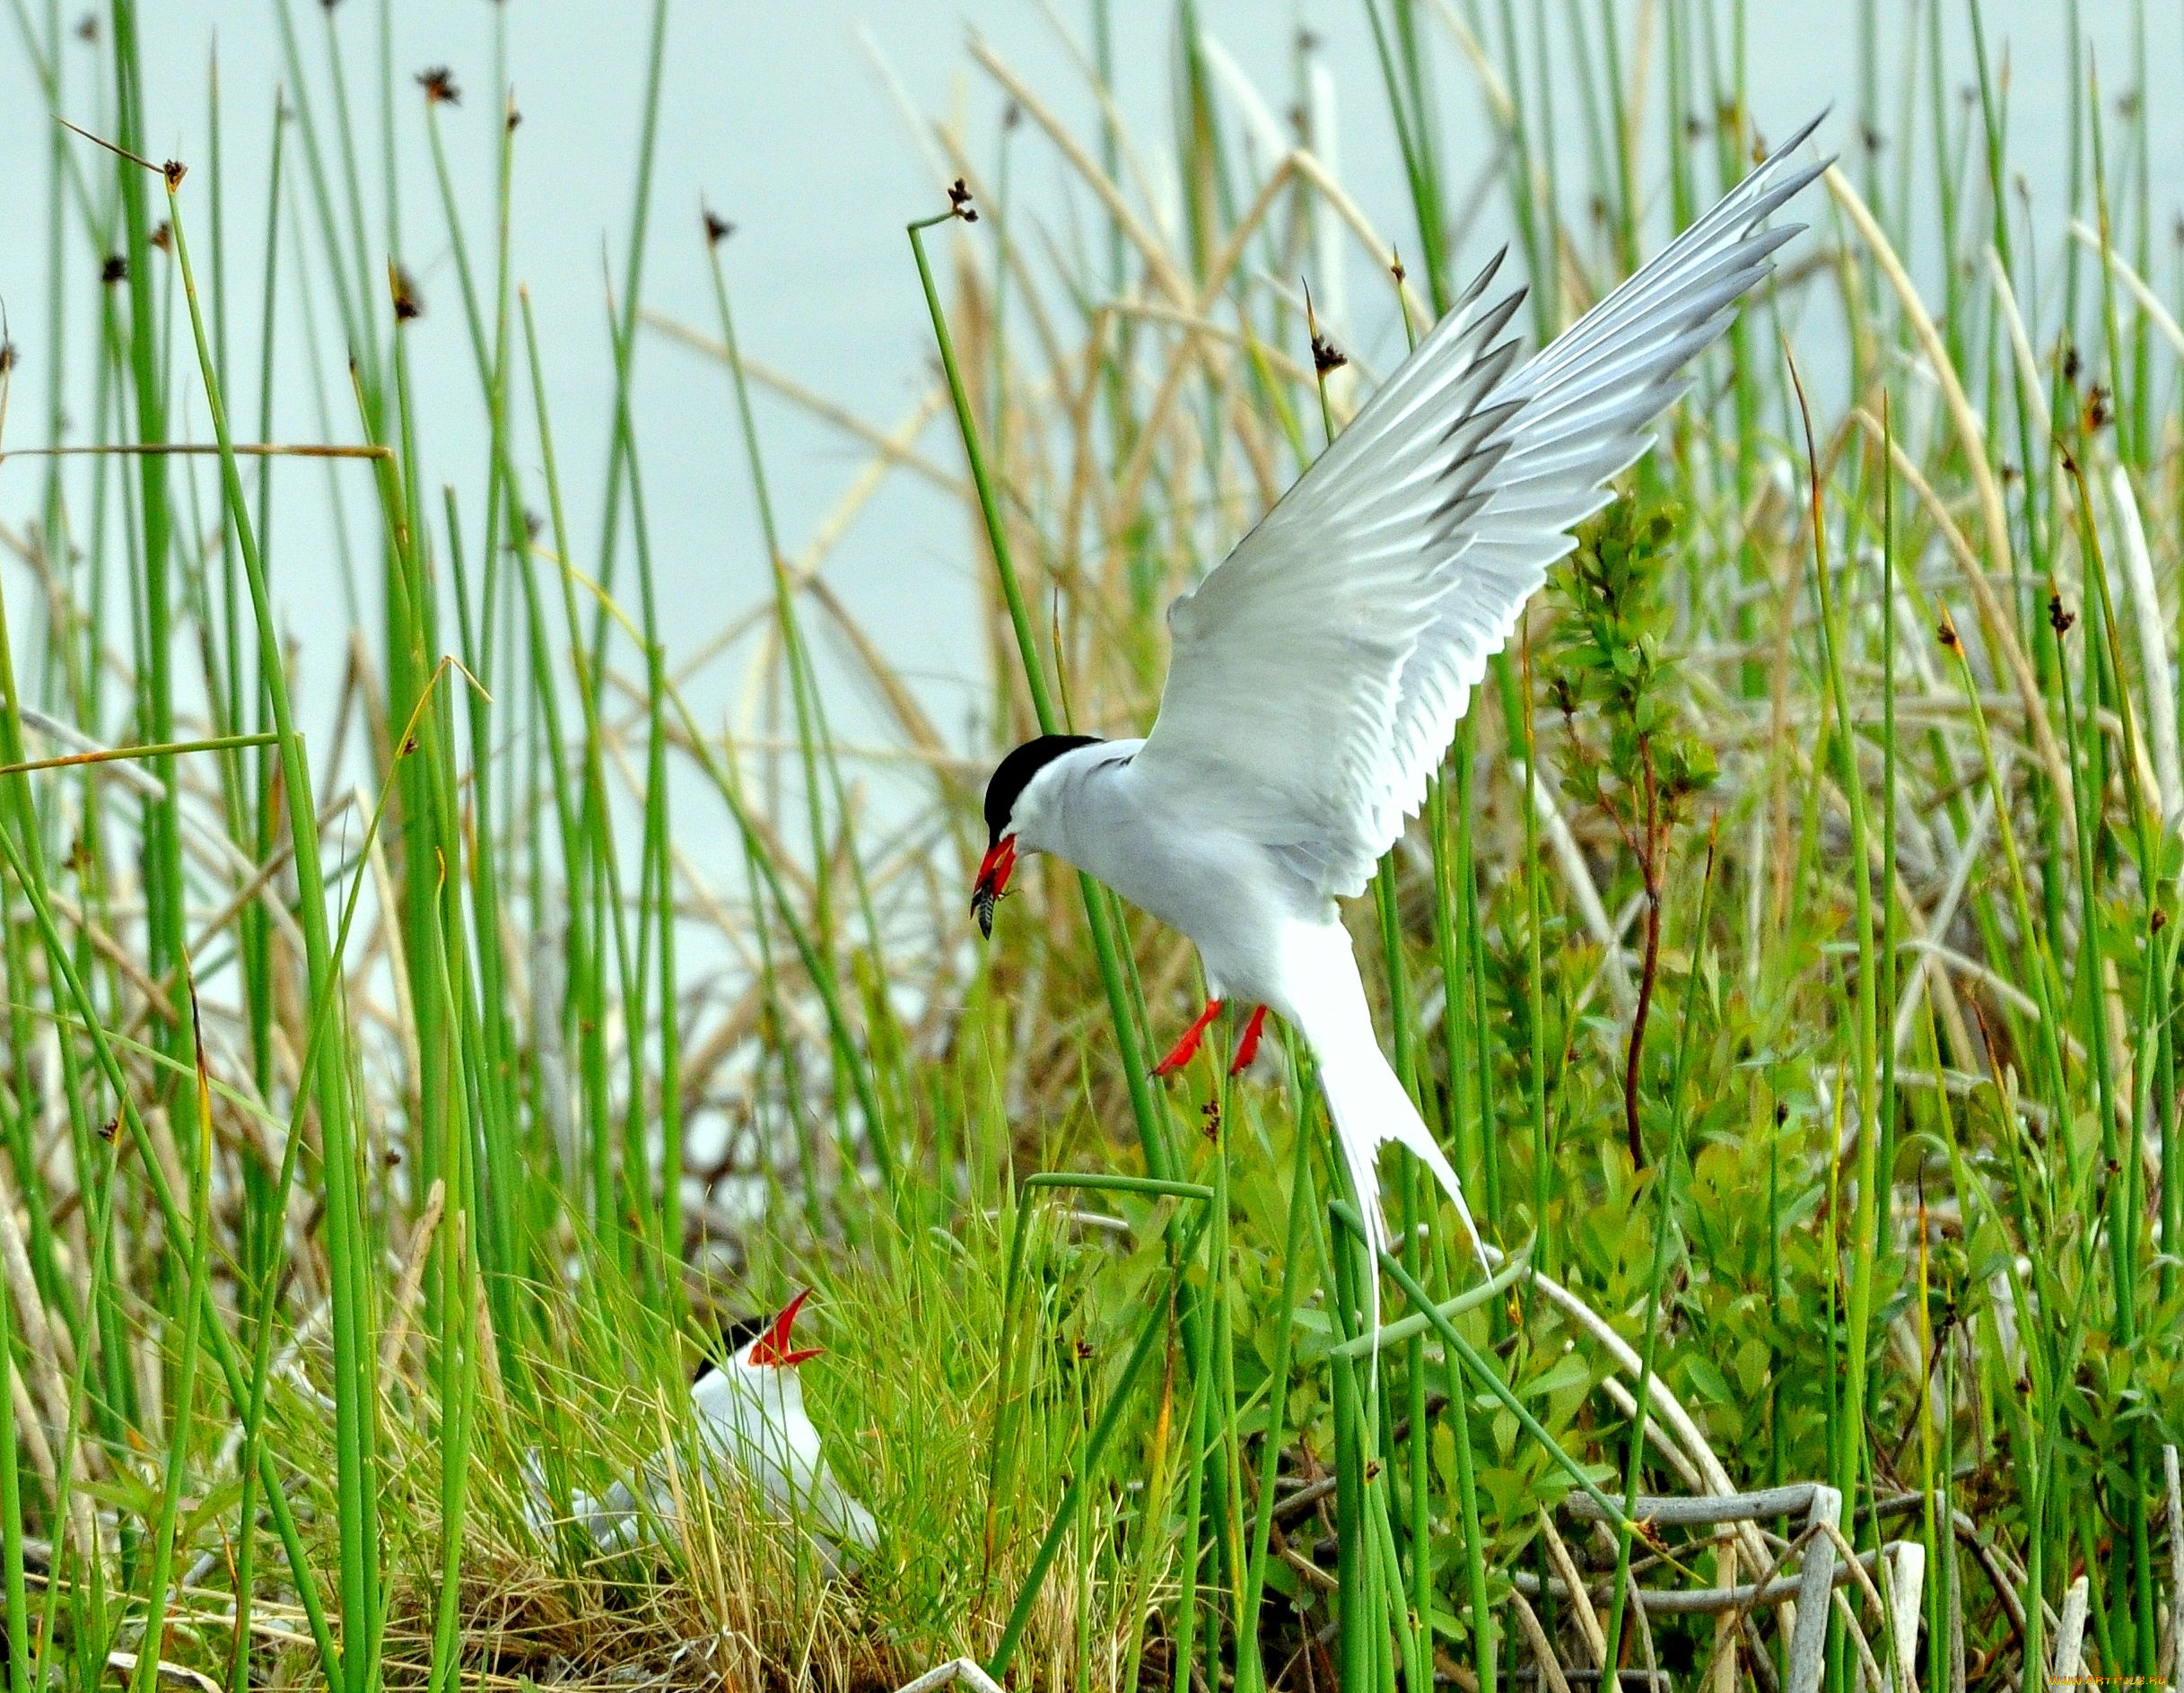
(1247, 1048)
(1186, 1048)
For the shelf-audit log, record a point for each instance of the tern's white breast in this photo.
(1226, 893)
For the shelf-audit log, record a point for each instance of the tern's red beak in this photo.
(773, 1346)
(993, 881)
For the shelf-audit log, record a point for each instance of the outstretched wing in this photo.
(1318, 673)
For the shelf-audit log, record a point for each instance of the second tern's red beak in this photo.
(773, 1346)
(993, 881)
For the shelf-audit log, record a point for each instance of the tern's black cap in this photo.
(1010, 775)
(736, 1333)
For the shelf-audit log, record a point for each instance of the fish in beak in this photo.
(774, 1348)
(993, 871)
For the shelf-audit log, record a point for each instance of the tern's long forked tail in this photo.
(1365, 1096)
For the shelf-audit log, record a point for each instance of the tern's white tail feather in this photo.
(1365, 1096)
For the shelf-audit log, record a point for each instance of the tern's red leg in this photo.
(1186, 1048)
(1247, 1049)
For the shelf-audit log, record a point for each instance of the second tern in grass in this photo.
(750, 1415)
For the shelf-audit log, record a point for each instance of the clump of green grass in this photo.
(1816, 842)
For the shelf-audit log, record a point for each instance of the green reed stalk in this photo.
(359, 254)
(1535, 997)
(1087, 1469)
(1221, 1460)
(18, 1609)
(1357, 1614)
(1191, 1554)
(1485, 1634)
(595, 836)
(1152, 1129)
(1418, 1526)
(2124, 413)
(1533, 214)
(655, 900)
(459, 1366)
(2126, 1205)
(621, 451)
(183, 1414)
(815, 739)
(1258, 1547)
(348, 1254)
(501, 1240)
(253, 1458)
(163, 872)
(1865, 1244)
